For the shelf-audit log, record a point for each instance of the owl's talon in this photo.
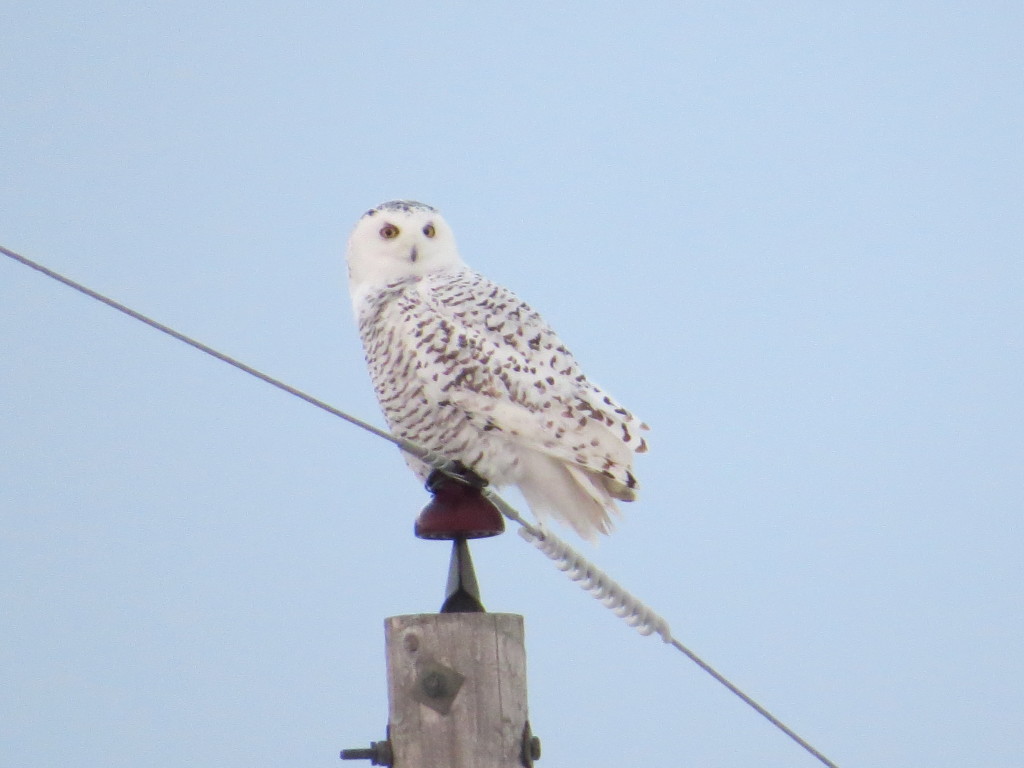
(455, 471)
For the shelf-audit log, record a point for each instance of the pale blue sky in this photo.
(788, 235)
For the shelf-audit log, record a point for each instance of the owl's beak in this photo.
(413, 254)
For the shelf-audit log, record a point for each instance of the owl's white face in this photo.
(395, 240)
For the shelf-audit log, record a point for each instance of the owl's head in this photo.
(398, 239)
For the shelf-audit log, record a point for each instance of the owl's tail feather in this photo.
(567, 493)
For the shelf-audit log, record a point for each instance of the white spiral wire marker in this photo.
(590, 578)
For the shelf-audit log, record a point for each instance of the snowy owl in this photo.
(464, 368)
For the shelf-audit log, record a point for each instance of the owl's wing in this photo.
(507, 370)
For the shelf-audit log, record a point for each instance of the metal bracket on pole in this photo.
(462, 595)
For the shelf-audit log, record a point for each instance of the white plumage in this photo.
(465, 368)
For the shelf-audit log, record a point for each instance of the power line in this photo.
(577, 568)
(592, 579)
(410, 447)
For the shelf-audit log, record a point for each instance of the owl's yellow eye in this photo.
(429, 230)
(389, 231)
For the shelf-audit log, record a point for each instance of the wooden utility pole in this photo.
(456, 679)
(457, 690)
